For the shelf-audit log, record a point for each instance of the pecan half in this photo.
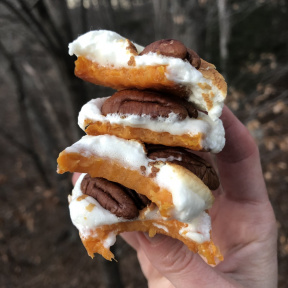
(193, 58)
(184, 157)
(167, 47)
(173, 48)
(143, 102)
(119, 200)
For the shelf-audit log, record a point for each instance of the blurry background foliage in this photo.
(40, 99)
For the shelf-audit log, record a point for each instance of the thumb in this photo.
(178, 264)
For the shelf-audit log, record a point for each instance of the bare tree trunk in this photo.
(65, 23)
(224, 32)
(62, 136)
(210, 24)
(28, 145)
(189, 24)
(107, 12)
(58, 51)
(84, 20)
(162, 19)
(195, 24)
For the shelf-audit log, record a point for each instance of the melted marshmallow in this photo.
(87, 220)
(213, 131)
(130, 153)
(108, 48)
(189, 199)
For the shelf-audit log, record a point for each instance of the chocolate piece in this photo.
(184, 157)
(173, 48)
(119, 200)
(139, 102)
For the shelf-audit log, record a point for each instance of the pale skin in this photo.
(243, 227)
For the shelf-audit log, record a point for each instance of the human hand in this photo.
(243, 226)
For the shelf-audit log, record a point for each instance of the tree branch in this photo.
(45, 16)
(30, 152)
(24, 117)
(50, 43)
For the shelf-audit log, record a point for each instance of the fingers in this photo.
(153, 276)
(175, 262)
(131, 238)
(75, 177)
(239, 163)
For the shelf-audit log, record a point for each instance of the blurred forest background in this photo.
(40, 98)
